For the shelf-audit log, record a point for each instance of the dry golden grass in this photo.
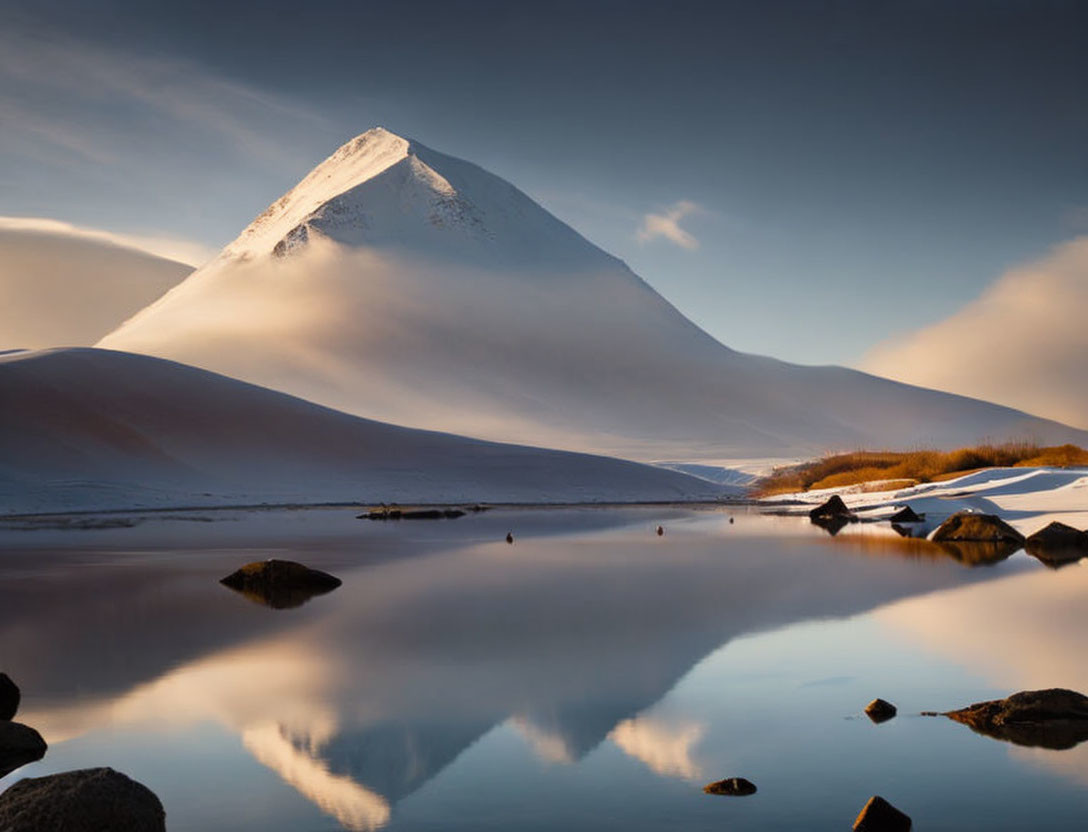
(911, 467)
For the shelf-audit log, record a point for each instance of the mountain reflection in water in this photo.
(363, 696)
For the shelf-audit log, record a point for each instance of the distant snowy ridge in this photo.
(400, 284)
(85, 429)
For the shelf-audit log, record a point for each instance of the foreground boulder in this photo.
(1058, 544)
(89, 800)
(731, 787)
(280, 584)
(977, 528)
(878, 815)
(1054, 718)
(19, 745)
(9, 697)
(880, 710)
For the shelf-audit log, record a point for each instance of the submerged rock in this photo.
(1058, 545)
(878, 815)
(89, 800)
(907, 515)
(731, 787)
(979, 528)
(280, 584)
(1054, 718)
(9, 697)
(880, 710)
(19, 745)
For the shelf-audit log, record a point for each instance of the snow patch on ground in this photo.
(1027, 498)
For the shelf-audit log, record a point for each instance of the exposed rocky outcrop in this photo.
(19, 745)
(89, 800)
(731, 787)
(9, 697)
(1058, 545)
(976, 528)
(878, 815)
(280, 584)
(1054, 718)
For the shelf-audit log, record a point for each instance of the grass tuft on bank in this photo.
(906, 468)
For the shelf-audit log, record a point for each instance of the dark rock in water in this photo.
(880, 710)
(9, 697)
(1054, 718)
(19, 745)
(395, 513)
(979, 528)
(280, 584)
(907, 515)
(1058, 545)
(509, 537)
(89, 800)
(660, 531)
(971, 553)
(731, 787)
(878, 815)
(834, 507)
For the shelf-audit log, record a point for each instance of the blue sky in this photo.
(840, 172)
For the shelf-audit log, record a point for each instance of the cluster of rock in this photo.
(1054, 718)
(87, 800)
(970, 537)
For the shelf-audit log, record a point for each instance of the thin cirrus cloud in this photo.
(1021, 343)
(49, 83)
(667, 225)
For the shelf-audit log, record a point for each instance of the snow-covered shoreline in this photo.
(1027, 498)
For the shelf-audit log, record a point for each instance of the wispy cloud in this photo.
(97, 104)
(172, 248)
(667, 225)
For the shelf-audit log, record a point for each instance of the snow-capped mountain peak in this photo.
(419, 289)
(386, 191)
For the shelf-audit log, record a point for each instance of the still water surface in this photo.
(591, 676)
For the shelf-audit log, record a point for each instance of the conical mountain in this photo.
(400, 284)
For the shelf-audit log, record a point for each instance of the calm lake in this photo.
(592, 675)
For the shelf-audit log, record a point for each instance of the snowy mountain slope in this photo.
(398, 283)
(61, 288)
(85, 428)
